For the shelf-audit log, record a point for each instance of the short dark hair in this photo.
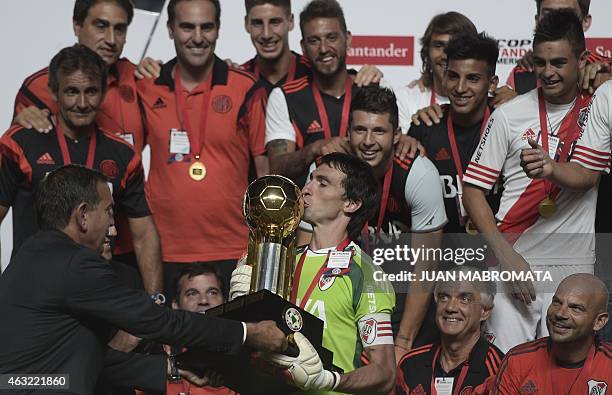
(559, 25)
(194, 270)
(376, 99)
(286, 4)
(81, 9)
(473, 46)
(360, 185)
(322, 9)
(62, 190)
(77, 58)
(583, 4)
(452, 23)
(172, 10)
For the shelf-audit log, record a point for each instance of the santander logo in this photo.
(600, 46)
(382, 50)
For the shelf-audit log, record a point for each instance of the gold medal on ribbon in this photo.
(197, 171)
(547, 207)
(470, 229)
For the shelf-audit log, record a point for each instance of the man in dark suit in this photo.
(60, 298)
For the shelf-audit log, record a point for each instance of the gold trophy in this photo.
(272, 208)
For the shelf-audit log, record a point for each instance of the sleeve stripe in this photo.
(591, 165)
(482, 173)
(591, 150)
(598, 158)
(484, 168)
(478, 180)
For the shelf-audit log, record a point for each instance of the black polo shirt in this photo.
(27, 156)
(415, 369)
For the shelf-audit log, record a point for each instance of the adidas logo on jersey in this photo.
(528, 388)
(442, 154)
(45, 159)
(315, 127)
(529, 134)
(159, 103)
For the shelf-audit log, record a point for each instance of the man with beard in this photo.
(538, 226)
(572, 360)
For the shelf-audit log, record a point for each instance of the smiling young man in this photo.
(77, 82)
(440, 30)
(538, 225)
(461, 359)
(470, 76)
(572, 360)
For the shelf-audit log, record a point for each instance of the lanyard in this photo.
(383, 205)
(432, 99)
(584, 373)
(64, 147)
(460, 380)
(453, 141)
(316, 279)
(346, 106)
(564, 133)
(290, 71)
(196, 139)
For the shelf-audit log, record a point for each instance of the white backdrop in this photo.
(34, 30)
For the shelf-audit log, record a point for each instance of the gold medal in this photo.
(547, 207)
(470, 229)
(197, 171)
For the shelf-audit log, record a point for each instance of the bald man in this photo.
(572, 360)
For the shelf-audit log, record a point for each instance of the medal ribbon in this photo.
(290, 72)
(453, 142)
(460, 379)
(316, 279)
(583, 375)
(346, 106)
(64, 147)
(196, 139)
(564, 133)
(432, 100)
(383, 205)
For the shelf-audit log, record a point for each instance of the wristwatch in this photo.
(158, 298)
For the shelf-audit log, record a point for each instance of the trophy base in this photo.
(239, 371)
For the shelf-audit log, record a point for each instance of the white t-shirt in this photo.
(423, 194)
(564, 238)
(593, 147)
(410, 100)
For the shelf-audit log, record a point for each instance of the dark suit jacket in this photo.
(58, 301)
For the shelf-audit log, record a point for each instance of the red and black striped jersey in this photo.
(27, 156)
(298, 68)
(415, 370)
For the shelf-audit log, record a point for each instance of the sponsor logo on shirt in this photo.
(382, 50)
(418, 390)
(528, 134)
(127, 93)
(315, 127)
(600, 46)
(159, 103)
(45, 159)
(442, 154)
(528, 388)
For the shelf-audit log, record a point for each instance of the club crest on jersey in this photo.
(583, 116)
(127, 93)
(293, 319)
(597, 387)
(109, 168)
(490, 336)
(528, 134)
(368, 331)
(467, 390)
(326, 281)
(222, 104)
